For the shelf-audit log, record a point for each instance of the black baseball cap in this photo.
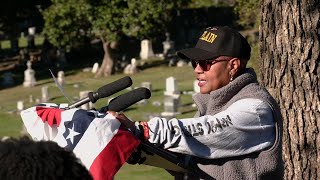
(218, 41)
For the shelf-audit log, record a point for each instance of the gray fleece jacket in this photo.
(265, 164)
(236, 133)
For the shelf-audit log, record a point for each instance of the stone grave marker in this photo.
(147, 85)
(131, 68)
(29, 76)
(31, 98)
(61, 78)
(95, 68)
(171, 99)
(44, 94)
(171, 105)
(146, 49)
(168, 46)
(20, 106)
(171, 87)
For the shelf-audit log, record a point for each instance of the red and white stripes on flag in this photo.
(97, 139)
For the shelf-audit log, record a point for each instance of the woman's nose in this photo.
(198, 69)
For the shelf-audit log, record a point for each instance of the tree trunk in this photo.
(289, 51)
(106, 68)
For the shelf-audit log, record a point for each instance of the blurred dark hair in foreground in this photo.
(28, 160)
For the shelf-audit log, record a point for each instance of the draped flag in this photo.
(97, 139)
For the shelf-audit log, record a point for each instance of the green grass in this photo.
(10, 126)
(86, 81)
(136, 172)
(5, 44)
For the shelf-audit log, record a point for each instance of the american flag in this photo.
(97, 139)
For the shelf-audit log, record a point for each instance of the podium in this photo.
(157, 157)
(148, 154)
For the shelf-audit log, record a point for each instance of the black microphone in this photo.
(123, 101)
(104, 91)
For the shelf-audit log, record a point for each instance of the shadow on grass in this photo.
(43, 83)
(186, 104)
(56, 97)
(156, 90)
(153, 63)
(189, 111)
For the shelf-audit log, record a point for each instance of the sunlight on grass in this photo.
(5, 44)
(137, 172)
(80, 81)
(10, 124)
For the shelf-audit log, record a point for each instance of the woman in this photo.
(236, 132)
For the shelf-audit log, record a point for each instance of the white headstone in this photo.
(171, 87)
(29, 76)
(20, 105)
(133, 62)
(95, 68)
(44, 94)
(31, 98)
(61, 77)
(147, 85)
(146, 49)
(172, 98)
(181, 63)
(168, 45)
(171, 105)
(32, 30)
(131, 68)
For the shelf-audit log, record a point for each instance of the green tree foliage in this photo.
(248, 12)
(106, 18)
(68, 21)
(144, 19)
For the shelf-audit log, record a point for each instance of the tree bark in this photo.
(289, 68)
(106, 68)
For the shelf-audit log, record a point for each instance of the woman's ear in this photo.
(234, 66)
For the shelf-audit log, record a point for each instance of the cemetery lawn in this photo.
(76, 80)
(5, 44)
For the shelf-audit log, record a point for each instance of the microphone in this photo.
(104, 91)
(123, 101)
